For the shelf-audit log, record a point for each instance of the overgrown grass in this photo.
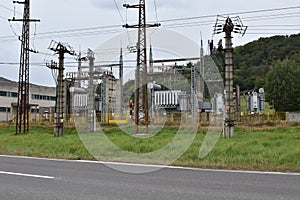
(276, 149)
(40, 142)
(269, 148)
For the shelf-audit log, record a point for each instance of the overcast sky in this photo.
(89, 15)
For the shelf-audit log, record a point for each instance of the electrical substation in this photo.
(164, 86)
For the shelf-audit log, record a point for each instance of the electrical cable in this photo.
(13, 30)
(34, 35)
(110, 29)
(3, 18)
(84, 30)
(155, 8)
(233, 13)
(12, 10)
(119, 11)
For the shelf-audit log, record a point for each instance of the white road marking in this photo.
(155, 166)
(26, 175)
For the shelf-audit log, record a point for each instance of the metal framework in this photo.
(23, 106)
(61, 50)
(141, 111)
(229, 25)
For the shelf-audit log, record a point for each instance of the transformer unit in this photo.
(256, 101)
(218, 104)
(171, 101)
(80, 102)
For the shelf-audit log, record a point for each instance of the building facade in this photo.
(41, 100)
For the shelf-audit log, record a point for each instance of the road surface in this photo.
(24, 178)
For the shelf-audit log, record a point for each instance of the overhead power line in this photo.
(155, 8)
(177, 23)
(12, 10)
(116, 4)
(233, 13)
(3, 18)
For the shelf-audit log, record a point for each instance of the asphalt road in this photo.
(39, 179)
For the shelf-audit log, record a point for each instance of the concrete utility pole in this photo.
(103, 98)
(202, 82)
(141, 110)
(229, 117)
(91, 93)
(61, 49)
(193, 91)
(228, 26)
(23, 107)
(80, 59)
(238, 103)
(151, 61)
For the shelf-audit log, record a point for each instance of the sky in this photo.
(97, 24)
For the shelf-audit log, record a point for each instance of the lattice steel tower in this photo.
(23, 107)
(141, 107)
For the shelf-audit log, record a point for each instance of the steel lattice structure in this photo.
(141, 107)
(23, 106)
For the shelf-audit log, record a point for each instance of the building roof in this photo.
(5, 82)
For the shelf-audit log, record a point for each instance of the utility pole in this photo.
(91, 94)
(228, 26)
(238, 103)
(141, 111)
(103, 98)
(202, 82)
(61, 50)
(121, 72)
(151, 61)
(193, 91)
(23, 106)
(80, 59)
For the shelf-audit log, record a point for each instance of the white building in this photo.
(41, 99)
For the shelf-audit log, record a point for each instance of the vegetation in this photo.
(283, 86)
(40, 142)
(277, 56)
(269, 148)
(271, 63)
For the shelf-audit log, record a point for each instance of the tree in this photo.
(283, 86)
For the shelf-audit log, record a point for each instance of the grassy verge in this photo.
(40, 142)
(269, 148)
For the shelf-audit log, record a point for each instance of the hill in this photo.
(254, 60)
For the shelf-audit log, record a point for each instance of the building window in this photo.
(43, 97)
(4, 109)
(14, 94)
(8, 94)
(33, 110)
(3, 93)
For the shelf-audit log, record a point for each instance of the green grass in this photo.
(138, 144)
(276, 149)
(40, 142)
(271, 148)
